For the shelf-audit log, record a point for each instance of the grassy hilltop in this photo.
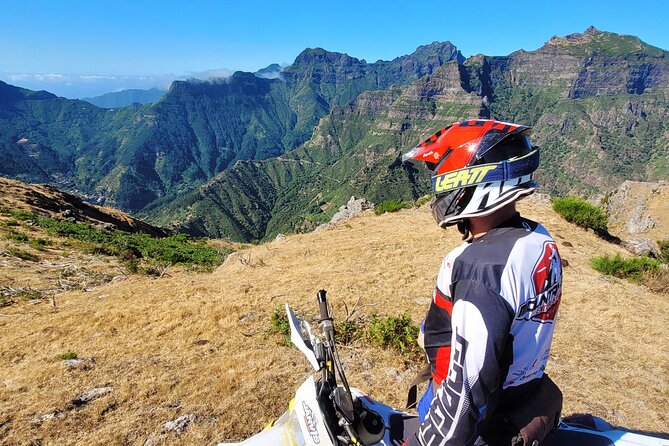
(203, 343)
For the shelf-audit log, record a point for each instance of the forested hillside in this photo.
(249, 157)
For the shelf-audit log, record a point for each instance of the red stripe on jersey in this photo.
(442, 361)
(442, 301)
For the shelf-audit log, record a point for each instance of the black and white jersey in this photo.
(489, 326)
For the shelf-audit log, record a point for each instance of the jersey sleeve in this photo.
(481, 322)
(438, 333)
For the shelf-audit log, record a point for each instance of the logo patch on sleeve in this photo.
(547, 278)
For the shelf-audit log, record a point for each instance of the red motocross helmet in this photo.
(478, 166)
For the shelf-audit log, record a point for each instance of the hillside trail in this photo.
(201, 344)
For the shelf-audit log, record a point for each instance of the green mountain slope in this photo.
(133, 156)
(594, 134)
(248, 157)
(354, 150)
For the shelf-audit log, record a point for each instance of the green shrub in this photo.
(664, 250)
(132, 265)
(279, 321)
(29, 294)
(390, 206)
(279, 324)
(578, 211)
(397, 332)
(173, 250)
(17, 237)
(24, 255)
(38, 243)
(67, 355)
(348, 331)
(422, 200)
(633, 269)
(22, 215)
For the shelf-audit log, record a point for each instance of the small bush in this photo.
(664, 250)
(24, 255)
(279, 322)
(38, 244)
(67, 355)
(347, 332)
(397, 332)
(22, 215)
(29, 294)
(580, 212)
(173, 250)
(154, 270)
(17, 237)
(422, 200)
(390, 206)
(633, 269)
(657, 280)
(132, 266)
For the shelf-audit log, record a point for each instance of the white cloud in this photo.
(89, 85)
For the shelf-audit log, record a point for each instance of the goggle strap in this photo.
(486, 173)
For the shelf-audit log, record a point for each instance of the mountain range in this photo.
(124, 98)
(248, 157)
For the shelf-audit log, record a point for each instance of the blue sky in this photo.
(166, 39)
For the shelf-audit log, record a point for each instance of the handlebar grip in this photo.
(323, 304)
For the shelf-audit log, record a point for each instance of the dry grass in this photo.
(657, 281)
(200, 343)
(48, 201)
(61, 265)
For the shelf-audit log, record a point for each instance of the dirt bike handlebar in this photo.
(323, 304)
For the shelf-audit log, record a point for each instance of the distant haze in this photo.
(77, 86)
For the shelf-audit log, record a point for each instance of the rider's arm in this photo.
(481, 321)
(437, 332)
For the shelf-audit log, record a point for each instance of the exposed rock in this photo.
(353, 207)
(540, 198)
(90, 395)
(639, 215)
(72, 363)
(180, 424)
(106, 226)
(641, 247)
(392, 372)
(39, 419)
(627, 206)
(230, 258)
